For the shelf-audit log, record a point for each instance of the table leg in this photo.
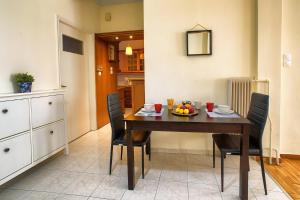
(244, 163)
(130, 161)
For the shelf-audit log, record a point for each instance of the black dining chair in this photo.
(119, 134)
(230, 144)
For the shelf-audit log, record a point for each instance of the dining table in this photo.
(200, 123)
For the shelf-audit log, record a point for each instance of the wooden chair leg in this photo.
(149, 149)
(143, 175)
(214, 154)
(222, 171)
(111, 156)
(263, 174)
(121, 152)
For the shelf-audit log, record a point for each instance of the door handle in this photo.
(51, 132)
(50, 103)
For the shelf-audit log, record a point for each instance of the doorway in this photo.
(119, 71)
(73, 63)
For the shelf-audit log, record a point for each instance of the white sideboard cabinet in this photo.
(32, 128)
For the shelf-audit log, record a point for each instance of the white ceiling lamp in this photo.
(128, 50)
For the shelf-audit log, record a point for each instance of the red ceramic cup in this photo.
(210, 106)
(158, 107)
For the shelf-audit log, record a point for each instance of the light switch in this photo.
(287, 60)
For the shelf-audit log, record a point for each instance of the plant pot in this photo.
(24, 87)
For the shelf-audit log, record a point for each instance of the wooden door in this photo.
(106, 80)
(101, 80)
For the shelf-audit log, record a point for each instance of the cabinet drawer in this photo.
(14, 117)
(15, 154)
(46, 110)
(47, 139)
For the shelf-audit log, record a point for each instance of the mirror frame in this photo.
(210, 42)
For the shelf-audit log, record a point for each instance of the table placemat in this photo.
(149, 114)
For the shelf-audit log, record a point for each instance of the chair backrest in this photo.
(258, 114)
(115, 115)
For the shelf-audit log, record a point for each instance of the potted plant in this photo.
(24, 82)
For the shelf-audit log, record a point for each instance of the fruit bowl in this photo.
(185, 109)
(186, 115)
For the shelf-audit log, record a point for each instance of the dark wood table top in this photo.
(202, 117)
(198, 123)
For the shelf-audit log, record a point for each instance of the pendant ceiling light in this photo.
(128, 50)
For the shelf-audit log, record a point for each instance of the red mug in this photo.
(158, 107)
(210, 106)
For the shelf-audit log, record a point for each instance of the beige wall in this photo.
(290, 107)
(124, 17)
(28, 37)
(203, 78)
(269, 61)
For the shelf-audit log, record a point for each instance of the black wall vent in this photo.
(72, 45)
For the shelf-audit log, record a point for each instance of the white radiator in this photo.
(239, 95)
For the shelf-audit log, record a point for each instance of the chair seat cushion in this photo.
(230, 143)
(138, 138)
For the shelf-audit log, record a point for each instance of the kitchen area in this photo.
(119, 68)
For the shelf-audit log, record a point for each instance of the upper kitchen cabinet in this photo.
(133, 63)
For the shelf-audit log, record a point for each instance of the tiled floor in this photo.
(83, 175)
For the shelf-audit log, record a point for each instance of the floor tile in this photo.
(85, 185)
(56, 181)
(144, 189)
(203, 191)
(274, 195)
(174, 174)
(201, 175)
(172, 191)
(112, 187)
(84, 175)
(13, 194)
(232, 193)
(70, 197)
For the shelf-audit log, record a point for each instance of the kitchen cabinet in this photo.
(132, 63)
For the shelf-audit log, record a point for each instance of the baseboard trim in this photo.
(266, 159)
(290, 156)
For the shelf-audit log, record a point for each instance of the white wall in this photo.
(28, 37)
(203, 78)
(290, 118)
(124, 17)
(269, 61)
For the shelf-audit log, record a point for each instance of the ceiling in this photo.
(109, 2)
(122, 36)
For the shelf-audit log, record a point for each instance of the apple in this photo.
(191, 109)
(183, 107)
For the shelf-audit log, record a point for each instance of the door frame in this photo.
(90, 51)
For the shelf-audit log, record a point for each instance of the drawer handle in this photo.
(6, 150)
(50, 103)
(51, 132)
(4, 111)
